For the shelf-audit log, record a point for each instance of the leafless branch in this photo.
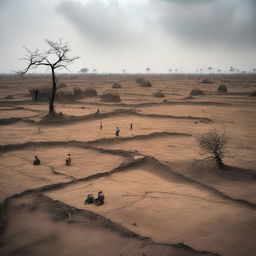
(37, 58)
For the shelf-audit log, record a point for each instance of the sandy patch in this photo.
(18, 174)
(169, 210)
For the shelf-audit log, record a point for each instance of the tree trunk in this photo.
(219, 161)
(52, 97)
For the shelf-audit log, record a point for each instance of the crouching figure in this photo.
(89, 199)
(100, 199)
(36, 161)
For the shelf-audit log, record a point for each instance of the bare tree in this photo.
(56, 57)
(231, 69)
(210, 69)
(214, 143)
(84, 70)
(148, 70)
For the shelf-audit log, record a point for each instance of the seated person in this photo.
(36, 161)
(89, 199)
(100, 199)
(68, 160)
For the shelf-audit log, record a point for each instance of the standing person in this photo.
(36, 161)
(101, 125)
(36, 95)
(98, 111)
(117, 131)
(68, 160)
(131, 126)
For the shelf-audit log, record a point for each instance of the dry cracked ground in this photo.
(164, 196)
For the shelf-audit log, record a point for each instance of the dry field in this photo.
(164, 195)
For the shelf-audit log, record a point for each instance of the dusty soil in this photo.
(164, 195)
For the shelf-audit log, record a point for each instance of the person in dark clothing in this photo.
(131, 126)
(36, 161)
(36, 95)
(98, 111)
(68, 160)
(117, 131)
(89, 199)
(101, 125)
(100, 199)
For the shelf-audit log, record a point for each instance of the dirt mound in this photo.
(110, 96)
(143, 83)
(146, 83)
(41, 93)
(9, 97)
(206, 81)
(252, 94)
(139, 80)
(53, 118)
(116, 86)
(158, 94)
(90, 92)
(196, 92)
(188, 98)
(78, 93)
(61, 85)
(222, 88)
(65, 95)
(50, 228)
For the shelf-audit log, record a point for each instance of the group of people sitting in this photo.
(90, 198)
(97, 201)
(38, 162)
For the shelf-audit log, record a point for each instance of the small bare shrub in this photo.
(214, 143)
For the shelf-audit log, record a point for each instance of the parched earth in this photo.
(164, 196)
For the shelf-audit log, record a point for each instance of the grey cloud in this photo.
(222, 23)
(101, 22)
(186, 1)
(229, 23)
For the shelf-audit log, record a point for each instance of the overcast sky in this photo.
(112, 35)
